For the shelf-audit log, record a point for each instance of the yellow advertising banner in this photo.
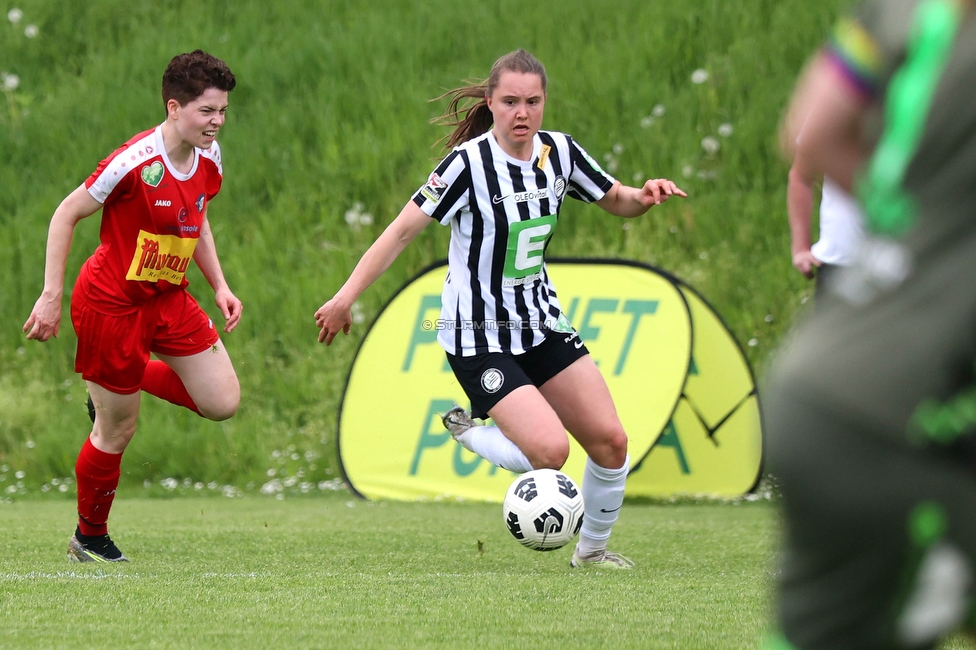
(637, 323)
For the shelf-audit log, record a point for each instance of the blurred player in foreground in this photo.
(871, 406)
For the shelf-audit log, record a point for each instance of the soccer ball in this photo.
(543, 509)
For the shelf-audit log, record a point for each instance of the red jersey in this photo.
(151, 220)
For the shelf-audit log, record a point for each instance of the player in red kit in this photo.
(130, 298)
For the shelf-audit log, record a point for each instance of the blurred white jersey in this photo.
(841, 226)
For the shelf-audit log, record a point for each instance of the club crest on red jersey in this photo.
(153, 174)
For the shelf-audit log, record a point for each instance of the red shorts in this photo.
(113, 349)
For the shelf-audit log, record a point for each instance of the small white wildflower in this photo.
(290, 481)
(280, 496)
(14, 15)
(30, 31)
(366, 219)
(753, 342)
(358, 206)
(295, 456)
(673, 229)
(658, 110)
(30, 444)
(187, 483)
(710, 145)
(687, 171)
(45, 488)
(638, 177)
(272, 471)
(358, 316)
(625, 225)
(21, 350)
(55, 482)
(725, 130)
(646, 122)
(612, 166)
(703, 255)
(11, 82)
(213, 485)
(4, 468)
(169, 483)
(198, 485)
(20, 473)
(699, 76)
(769, 318)
(62, 488)
(145, 484)
(352, 217)
(618, 149)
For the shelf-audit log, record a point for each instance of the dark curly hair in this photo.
(188, 75)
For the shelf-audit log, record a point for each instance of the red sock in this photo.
(97, 473)
(163, 382)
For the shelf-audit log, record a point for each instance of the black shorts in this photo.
(487, 378)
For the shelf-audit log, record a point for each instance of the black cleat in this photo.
(98, 548)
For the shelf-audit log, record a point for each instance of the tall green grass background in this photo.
(331, 110)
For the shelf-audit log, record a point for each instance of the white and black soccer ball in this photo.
(543, 509)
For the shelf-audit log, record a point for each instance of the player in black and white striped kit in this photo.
(511, 348)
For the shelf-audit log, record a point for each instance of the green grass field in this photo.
(329, 572)
(335, 572)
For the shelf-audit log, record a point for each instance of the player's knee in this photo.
(618, 445)
(611, 453)
(113, 437)
(223, 406)
(552, 456)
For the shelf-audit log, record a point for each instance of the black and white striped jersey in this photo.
(497, 296)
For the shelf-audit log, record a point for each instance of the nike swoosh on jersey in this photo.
(498, 199)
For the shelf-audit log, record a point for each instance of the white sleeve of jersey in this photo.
(446, 192)
(111, 175)
(587, 182)
(213, 153)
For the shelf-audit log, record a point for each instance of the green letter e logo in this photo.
(526, 243)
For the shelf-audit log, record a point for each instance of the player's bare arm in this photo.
(45, 318)
(336, 314)
(205, 255)
(625, 201)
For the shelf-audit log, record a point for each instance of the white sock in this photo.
(492, 445)
(603, 494)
